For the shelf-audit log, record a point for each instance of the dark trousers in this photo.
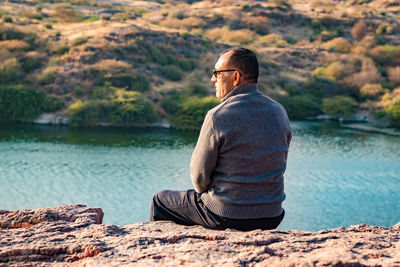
(186, 207)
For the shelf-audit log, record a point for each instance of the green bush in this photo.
(137, 111)
(386, 54)
(160, 57)
(172, 103)
(47, 76)
(171, 72)
(20, 101)
(301, 107)
(79, 41)
(187, 64)
(89, 113)
(62, 49)
(10, 34)
(135, 82)
(394, 115)
(10, 70)
(319, 87)
(199, 90)
(52, 103)
(128, 109)
(340, 106)
(29, 64)
(191, 114)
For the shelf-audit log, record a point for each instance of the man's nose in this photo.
(213, 79)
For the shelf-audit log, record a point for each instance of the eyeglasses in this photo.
(215, 72)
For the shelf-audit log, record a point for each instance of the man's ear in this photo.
(236, 78)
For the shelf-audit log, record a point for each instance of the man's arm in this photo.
(204, 157)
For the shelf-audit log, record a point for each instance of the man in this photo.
(238, 164)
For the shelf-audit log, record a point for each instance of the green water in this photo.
(335, 177)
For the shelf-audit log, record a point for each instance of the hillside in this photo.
(134, 62)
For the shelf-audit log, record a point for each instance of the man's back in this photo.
(252, 135)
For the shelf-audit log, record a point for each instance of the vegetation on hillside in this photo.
(131, 64)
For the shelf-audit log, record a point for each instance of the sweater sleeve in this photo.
(204, 157)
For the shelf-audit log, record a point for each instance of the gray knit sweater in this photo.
(241, 154)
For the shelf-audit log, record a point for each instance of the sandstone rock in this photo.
(74, 236)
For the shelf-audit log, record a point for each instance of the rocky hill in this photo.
(74, 236)
(133, 62)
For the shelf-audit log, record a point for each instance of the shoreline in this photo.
(371, 129)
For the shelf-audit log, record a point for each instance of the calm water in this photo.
(335, 177)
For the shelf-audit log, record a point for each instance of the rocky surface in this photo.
(74, 236)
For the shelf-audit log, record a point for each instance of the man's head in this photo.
(235, 66)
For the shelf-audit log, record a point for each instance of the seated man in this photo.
(238, 164)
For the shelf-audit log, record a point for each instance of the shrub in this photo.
(187, 64)
(135, 82)
(192, 112)
(88, 113)
(171, 72)
(62, 49)
(301, 107)
(172, 103)
(10, 70)
(132, 108)
(109, 67)
(359, 30)
(273, 40)
(394, 116)
(52, 103)
(47, 76)
(7, 33)
(394, 75)
(79, 41)
(371, 90)
(103, 92)
(340, 106)
(66, 13)
(185, 23)
(160, 57)
(14, 45)
(386, 54)
(29, 64)
(361, 78)
(334, 71)
(243, 36)
(128, 109)
(200, 90)
(259, 24)
(319, 87)
(339, 44)
(20, 101)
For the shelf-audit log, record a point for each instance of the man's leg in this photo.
(183, 207)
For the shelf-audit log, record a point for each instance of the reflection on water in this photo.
(335, 177)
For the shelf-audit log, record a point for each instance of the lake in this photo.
(335, 177)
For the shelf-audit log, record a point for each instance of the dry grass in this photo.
(371, 90)
(186, 23)
(394, 75)
(14, 45)
(338, 44)
(273, 40)
(112, 66)
(244, 36)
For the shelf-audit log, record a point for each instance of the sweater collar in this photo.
(244, 88)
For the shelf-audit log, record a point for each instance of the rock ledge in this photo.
(74, 236)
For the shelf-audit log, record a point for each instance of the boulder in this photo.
(74, 236)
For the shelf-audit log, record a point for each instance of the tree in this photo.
(359, 30)
(340, 106)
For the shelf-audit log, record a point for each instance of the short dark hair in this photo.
(245, 61)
